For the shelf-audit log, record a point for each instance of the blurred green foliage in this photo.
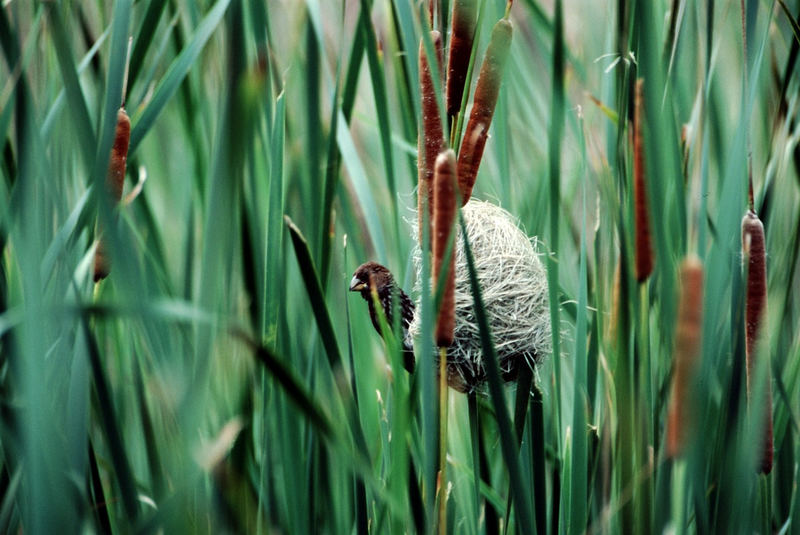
(223, 379)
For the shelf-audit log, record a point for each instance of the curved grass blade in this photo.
(358, 176)
(378, 83)
(536, 438)
(8, 87)
(154, 455)
(578, 484)
(325, 326)
(424, 350)
(72, 87)
(329, 187)
(144, 38)
(315, 295)
(64, 236)
(507, 439)
(274, 245)
(523, 394)
(404, 20)
(474, 431)
(58, 103)
(110, 425)
(793, 22)
(177, 72)
(360, 495)
(282, 373)
(353, 70)
(97, 495)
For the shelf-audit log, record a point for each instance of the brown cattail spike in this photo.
(486, 92)
(464, 17)
(444, 216)
(115, 180)
(687, 350)
(644, 249)
(430, 139)
(754, 253)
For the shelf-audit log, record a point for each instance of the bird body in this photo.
(373, 276)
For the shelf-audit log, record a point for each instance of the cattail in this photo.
(687, 350)
(486, 92)
(464, 17)
(754, 251)
(115, 180)
(430, 139)
(444, 216)
(644, 250)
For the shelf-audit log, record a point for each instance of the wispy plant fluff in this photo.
(514, 290)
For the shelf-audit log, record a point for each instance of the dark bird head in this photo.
(372, 275)
(368, 274)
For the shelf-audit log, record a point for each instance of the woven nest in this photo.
(514, 291)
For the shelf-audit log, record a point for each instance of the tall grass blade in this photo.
(282, 373)
(325, 326)
(274, 238)
(58, 102)
(375, 242)
(144, 38)
(72, 87)
(177, 72)
(508, 441)
(381, 101)
(554, 171)
(536, 438)
(109, 422)
(331, 180)
(97, 494)
(579, 485)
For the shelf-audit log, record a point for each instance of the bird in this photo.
(514, 295)
(372, 275)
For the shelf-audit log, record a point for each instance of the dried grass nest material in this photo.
(514, 291)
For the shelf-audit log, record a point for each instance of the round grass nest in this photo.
(515, 297)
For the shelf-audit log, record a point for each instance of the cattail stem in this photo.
(644, 249)
(127, 69)
(443, 392)
(754, 253)
(444, 216)
(688, 331)
(115, 181)
(464, 19)
(480, 118)
(430, 139)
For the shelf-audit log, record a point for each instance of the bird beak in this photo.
(356, 285)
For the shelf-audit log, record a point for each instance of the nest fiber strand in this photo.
(514, 291)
